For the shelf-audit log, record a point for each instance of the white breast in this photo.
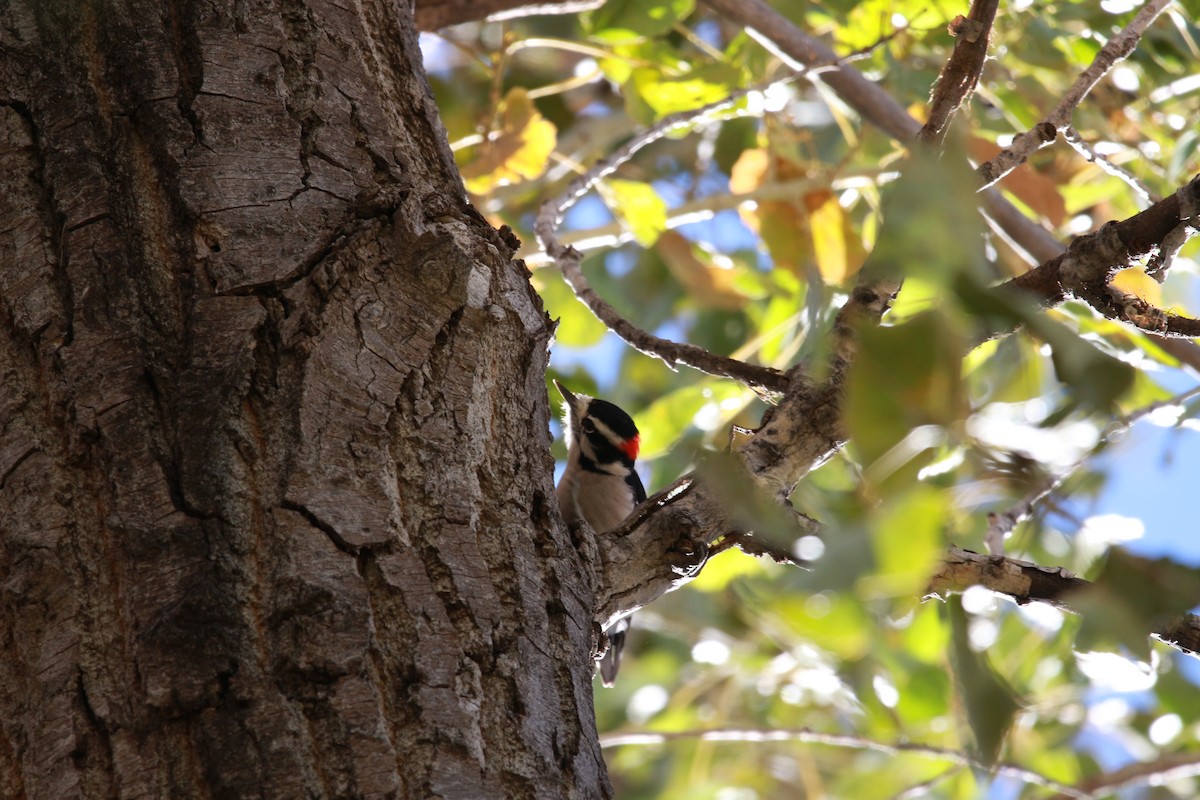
(603, 500)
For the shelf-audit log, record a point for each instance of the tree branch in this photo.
(1086, 268)
(569, 261)
(1151, 773)
(1025, 582)
(961, 74)
(809, 736)
(1114, 51)
(431, 15)
(795, 47)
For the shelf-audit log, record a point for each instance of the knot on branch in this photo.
(1091, 261)
(966, 28)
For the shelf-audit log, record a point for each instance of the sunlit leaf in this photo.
(782, 225)
(517, 152)
(908, 540)
(720, 570)
(640, 208)
(620, 21)
(663, 94)
(577, 325)
(827, 222)
(1135, 281)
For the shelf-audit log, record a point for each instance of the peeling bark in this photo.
(275, 488)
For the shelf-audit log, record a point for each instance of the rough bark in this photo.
(275, 489)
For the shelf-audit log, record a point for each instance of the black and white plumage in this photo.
(600, 484)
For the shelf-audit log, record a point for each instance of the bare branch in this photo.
(1086, 269)
(1150, 773)
(809, 736)
(1002, 524)
(569, 261)
(1025, 582)
(431, 15)
(1114, 51)
(961, 73)
(1084, 149)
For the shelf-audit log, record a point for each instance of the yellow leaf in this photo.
(782, 224)
(1135, 281)
(827, 222)
(749, 171)
(705, 282)
(517, 152)
(639, 207)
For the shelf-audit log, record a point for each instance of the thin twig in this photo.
(1085, 149)
(614, 233)
(1002, 524)
(1114, 51)
(961, 73)
(1150, 773)
(809, 736)
(569, 259)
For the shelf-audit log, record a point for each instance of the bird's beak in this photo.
(566, 395)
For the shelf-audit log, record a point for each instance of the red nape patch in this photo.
(630, 446)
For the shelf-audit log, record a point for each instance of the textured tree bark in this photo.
(276, 513)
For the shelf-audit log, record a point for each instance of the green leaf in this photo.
(833, 621)
(577, 325)
(931, 227)
(908, 542)
(723, 568)
(904, 377)
(1131, 598)
(989, 701)
(622, 21)
(651, 95)
(747, 506)
(638, 206)
(664, 421)
(1096, 380)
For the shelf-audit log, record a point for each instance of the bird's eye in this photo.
(587, 425)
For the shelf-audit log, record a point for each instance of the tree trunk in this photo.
(276, 513)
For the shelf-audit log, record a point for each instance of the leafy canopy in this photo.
(744, 236)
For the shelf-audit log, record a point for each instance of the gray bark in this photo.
(276, 513)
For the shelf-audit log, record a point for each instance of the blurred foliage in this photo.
(744, 236)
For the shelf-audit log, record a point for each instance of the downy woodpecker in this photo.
(599, 484)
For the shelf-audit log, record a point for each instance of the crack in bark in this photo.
(329, 530)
